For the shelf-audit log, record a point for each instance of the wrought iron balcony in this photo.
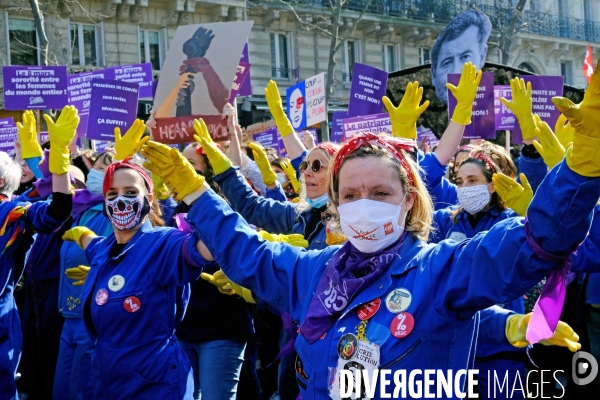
(501, 14)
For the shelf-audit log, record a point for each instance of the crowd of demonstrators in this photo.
(227, 272)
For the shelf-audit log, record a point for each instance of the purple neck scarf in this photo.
(84, 200)
(549, 305)
(339, 285)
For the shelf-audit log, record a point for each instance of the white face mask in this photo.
(281, 178)
(473, 198)
(371, 225)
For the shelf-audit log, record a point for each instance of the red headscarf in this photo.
(393, 145)
(110, 171)
(328, 147)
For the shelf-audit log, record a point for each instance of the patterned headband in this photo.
(485, 159)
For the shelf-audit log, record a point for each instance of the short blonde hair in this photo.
(302, 203)
(419, 218)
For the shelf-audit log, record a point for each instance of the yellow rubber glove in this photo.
(76, 234)
(172, 167)
(294, 239)
(564, 336)
(521, 106)
(132, 142)
(263, 163)
(548, 146)
(61, 133)
(276, 108)
(465, 93)
(78, 274)
(512, 193)
(584, 156)
(218, 160)
(30, 148)
(564, 132)
(404, 117)
(161, 191)
(226, 286)
(286, 166)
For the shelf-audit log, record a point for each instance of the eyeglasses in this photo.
(315, 166)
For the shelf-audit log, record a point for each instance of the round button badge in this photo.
(402, 325)
(347, 346)
(398, 300)
(101, 297)
(116, 283)
(132, 304)
(367, 310)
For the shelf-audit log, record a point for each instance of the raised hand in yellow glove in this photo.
(132, 142)
(78, 274)
(263, 163)
(174, 169)
(161, 191)
(548, 146)
(584, 156)
(404, 117)
(465, 93)
(564, 336)
(61, 133)
(564, 132)
(30, 148)
(512, 193)
(276, 108)
(286, 166)
(226, 286)
(218, 160)
(76, 234)
(294, 239)
(521, 106)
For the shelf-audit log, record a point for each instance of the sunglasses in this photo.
(315, 165)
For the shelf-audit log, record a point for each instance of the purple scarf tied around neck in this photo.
(547, 309)
(339, 285)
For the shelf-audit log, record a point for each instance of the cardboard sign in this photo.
(368, 87)
(337, 128)
(378, 123)
(33, 87)
(505, 119)
(483, 124)
(79, 91)
(112, 104)
(136, 73)
(306, 102)
(240, 77)
(8, 134)
(181, 129)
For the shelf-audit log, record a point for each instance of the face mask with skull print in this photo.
(126, 212)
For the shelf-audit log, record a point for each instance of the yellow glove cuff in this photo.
(462, 114)
(60, 160)
(515, 330)
(31, 150)
(404, 131)
(584, 156)
(284, 126)
(244, 293)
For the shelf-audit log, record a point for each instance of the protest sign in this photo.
(33, 87)
(426, 134)
(246, 88)
(505, 119)
(306, 102)
(336, 132)
(240, 77)
(113, 104)
(543, 89)
(8, 134)
(79, 92)
(378, 123)
(368, 87)
(259, 127)
(196, 78)
(268, 138)
(136, 73)
(483, 124)
(281, 146)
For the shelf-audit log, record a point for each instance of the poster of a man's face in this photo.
(462, 41)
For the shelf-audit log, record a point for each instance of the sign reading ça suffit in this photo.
(306, 102)
(34, 88)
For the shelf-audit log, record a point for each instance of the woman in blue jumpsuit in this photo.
(131, 298)
(401, 300)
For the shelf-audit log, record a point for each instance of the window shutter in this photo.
(100, 56)
(163, 42)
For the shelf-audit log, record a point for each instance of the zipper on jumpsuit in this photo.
(403, 355)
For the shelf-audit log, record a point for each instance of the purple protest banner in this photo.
(368, 87)
(268, 138)
(136, 73)
(241, 75)
(246, 89)
(100, 145)
(7, 122)
(483, 124)
(8, 134)
(113, 104)
(377, 123)
(79, 92)
(426, 134)
(281, 146)
(336, 132)
(44, 136)
(33, 88)
(505, 119)
(543, 89)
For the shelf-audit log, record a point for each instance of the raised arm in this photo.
(292, 142)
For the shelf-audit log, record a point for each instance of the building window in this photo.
(86, 44)
(349, 55)
(389, 57)
(424, 55)
(589, 20)
(280, 56)
(566, 70)
(23, 42)
(153, 47)
(525, 66)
